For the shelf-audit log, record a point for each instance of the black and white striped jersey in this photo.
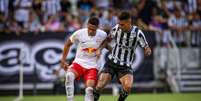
(123, 52)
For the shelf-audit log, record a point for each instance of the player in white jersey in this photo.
(85, 63)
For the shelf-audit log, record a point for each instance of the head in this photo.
(92, 25)
(125, 21)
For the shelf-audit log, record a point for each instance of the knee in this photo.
(100, 85)
(70, 76)
(127, 87)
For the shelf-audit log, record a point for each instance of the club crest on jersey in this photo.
(89, 50)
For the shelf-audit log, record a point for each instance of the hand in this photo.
(147, 51)
(98, 53)
(64, 65)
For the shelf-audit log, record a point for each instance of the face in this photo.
(92, 29)
(125, 25)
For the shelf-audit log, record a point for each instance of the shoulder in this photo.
(83, 30)
(115, 27)
(135, 29)
(80, 31)
(101, 33)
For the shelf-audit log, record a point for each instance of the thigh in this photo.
(77, 70)
(121, 72)
(90, 77)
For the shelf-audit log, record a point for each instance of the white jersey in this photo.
(87, 46)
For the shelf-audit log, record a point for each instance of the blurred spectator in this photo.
(84, 8)
(74, 23)
(144, 9)
(33, 25)
(136, 20)
(157, 24)
(103, 4)
(199, 7)
(195, 25)
(65, 5)
(122, 4)
(53, 24)
(37, 7)
(191, 6)
(13, 26)
(108, 21)
(117, 4)
(2, 22)
(22, 9)
(65, 9)
(165, 17)
(170, 5)
(50, 7)
(178, 24)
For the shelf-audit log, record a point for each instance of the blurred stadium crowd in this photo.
(180, 19)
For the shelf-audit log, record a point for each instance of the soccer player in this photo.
(126, 37)
(85, 63)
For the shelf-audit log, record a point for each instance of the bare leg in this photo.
(104, 78)
(126, 82)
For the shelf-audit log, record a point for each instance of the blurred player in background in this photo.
(85, 63)
(126, 37)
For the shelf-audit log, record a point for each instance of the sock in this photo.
(123, 96)
(69, 84)
(96, 94)
(88, 94)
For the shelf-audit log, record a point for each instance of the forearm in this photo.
(65, 51)
(108, 47)
(103, 45)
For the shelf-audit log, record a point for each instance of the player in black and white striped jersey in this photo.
(122, 55)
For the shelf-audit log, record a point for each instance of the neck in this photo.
(91, 34)
(128, 30)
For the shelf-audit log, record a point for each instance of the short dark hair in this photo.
(124, 15)
(94, 21)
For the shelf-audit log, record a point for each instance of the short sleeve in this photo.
(142, 40)
(113, 32)
(74, 37)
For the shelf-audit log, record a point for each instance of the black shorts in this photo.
(116, 70)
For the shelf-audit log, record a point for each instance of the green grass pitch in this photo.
(132, 97)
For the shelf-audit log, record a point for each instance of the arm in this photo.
(147, 51)
(67, 46)
(143, 43)
(104, 44)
